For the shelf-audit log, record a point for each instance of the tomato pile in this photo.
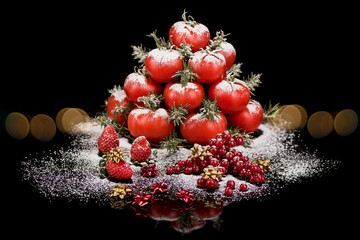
(188, 88)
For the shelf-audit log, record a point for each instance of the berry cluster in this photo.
(219, 158)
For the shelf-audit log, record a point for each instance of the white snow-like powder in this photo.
(164, 56)
(186, 30)
(73, 172)
(178, 87)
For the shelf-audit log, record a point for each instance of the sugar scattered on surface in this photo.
(72, 171)
(164, 56)
(187, 30)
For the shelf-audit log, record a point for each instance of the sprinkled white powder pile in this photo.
(73, 173)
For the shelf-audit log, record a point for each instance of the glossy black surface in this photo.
(69, 56)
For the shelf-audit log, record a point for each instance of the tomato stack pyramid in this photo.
(187, 89)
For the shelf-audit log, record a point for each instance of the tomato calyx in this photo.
(172, 142)
(210, 109)
(186, 74)
(178, 114)
(151, 101)
(161, 43)
(189, 20)
(220, 37)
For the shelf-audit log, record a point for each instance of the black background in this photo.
(58, 56)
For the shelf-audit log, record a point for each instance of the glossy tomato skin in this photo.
(197, 36)
(151, 124)
(209, 67)
(137, 85)
(232, 97)
(117, 99)
(163, 64)
(201, 130)
(228, 51)
(192, 93)
(248, 119)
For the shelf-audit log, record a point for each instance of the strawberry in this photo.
(119, 171)
(116, 165)
(108, 140)
(140, 149)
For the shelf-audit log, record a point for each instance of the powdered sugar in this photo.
(164, 56)
(201, 57)
(72, 172)
(161, 112)
(186, 30)
(178, 87)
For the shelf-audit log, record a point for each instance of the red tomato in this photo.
(117, 100)
(209, 67)
(201, 130)
(198, 36)
(228, 51)
(151, 124)
(248, 119)
(163, 64)
(137, 85)
(232, 97)
(192, 93)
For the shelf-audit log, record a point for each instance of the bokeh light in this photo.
(17, 125)
(42, 127)
(345, 122)
(292, 117)
(67, 118)
(320, 124)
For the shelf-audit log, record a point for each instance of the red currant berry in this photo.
(224, 163)
(245, 158)
(214, 162)
(212, 142)
(239, 140)
(242, 172)
(181, 163)
(254, 168)
(222, 169)
(189, 162)
(239, 154)
(170, 170)
(177, 168)
(221, 151)
(261, 171)
(247, 165)
(231, 143)
(219, 143)
(248, 173)
(196, 168)
(213, 149)
(226, 135)
(261, 178)
(211, 183)
(188, 170)
(218, 136)
(228, 191)
(230, 184)
(201, 182)
(240, 164)
(243, 187)
(229, 155)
